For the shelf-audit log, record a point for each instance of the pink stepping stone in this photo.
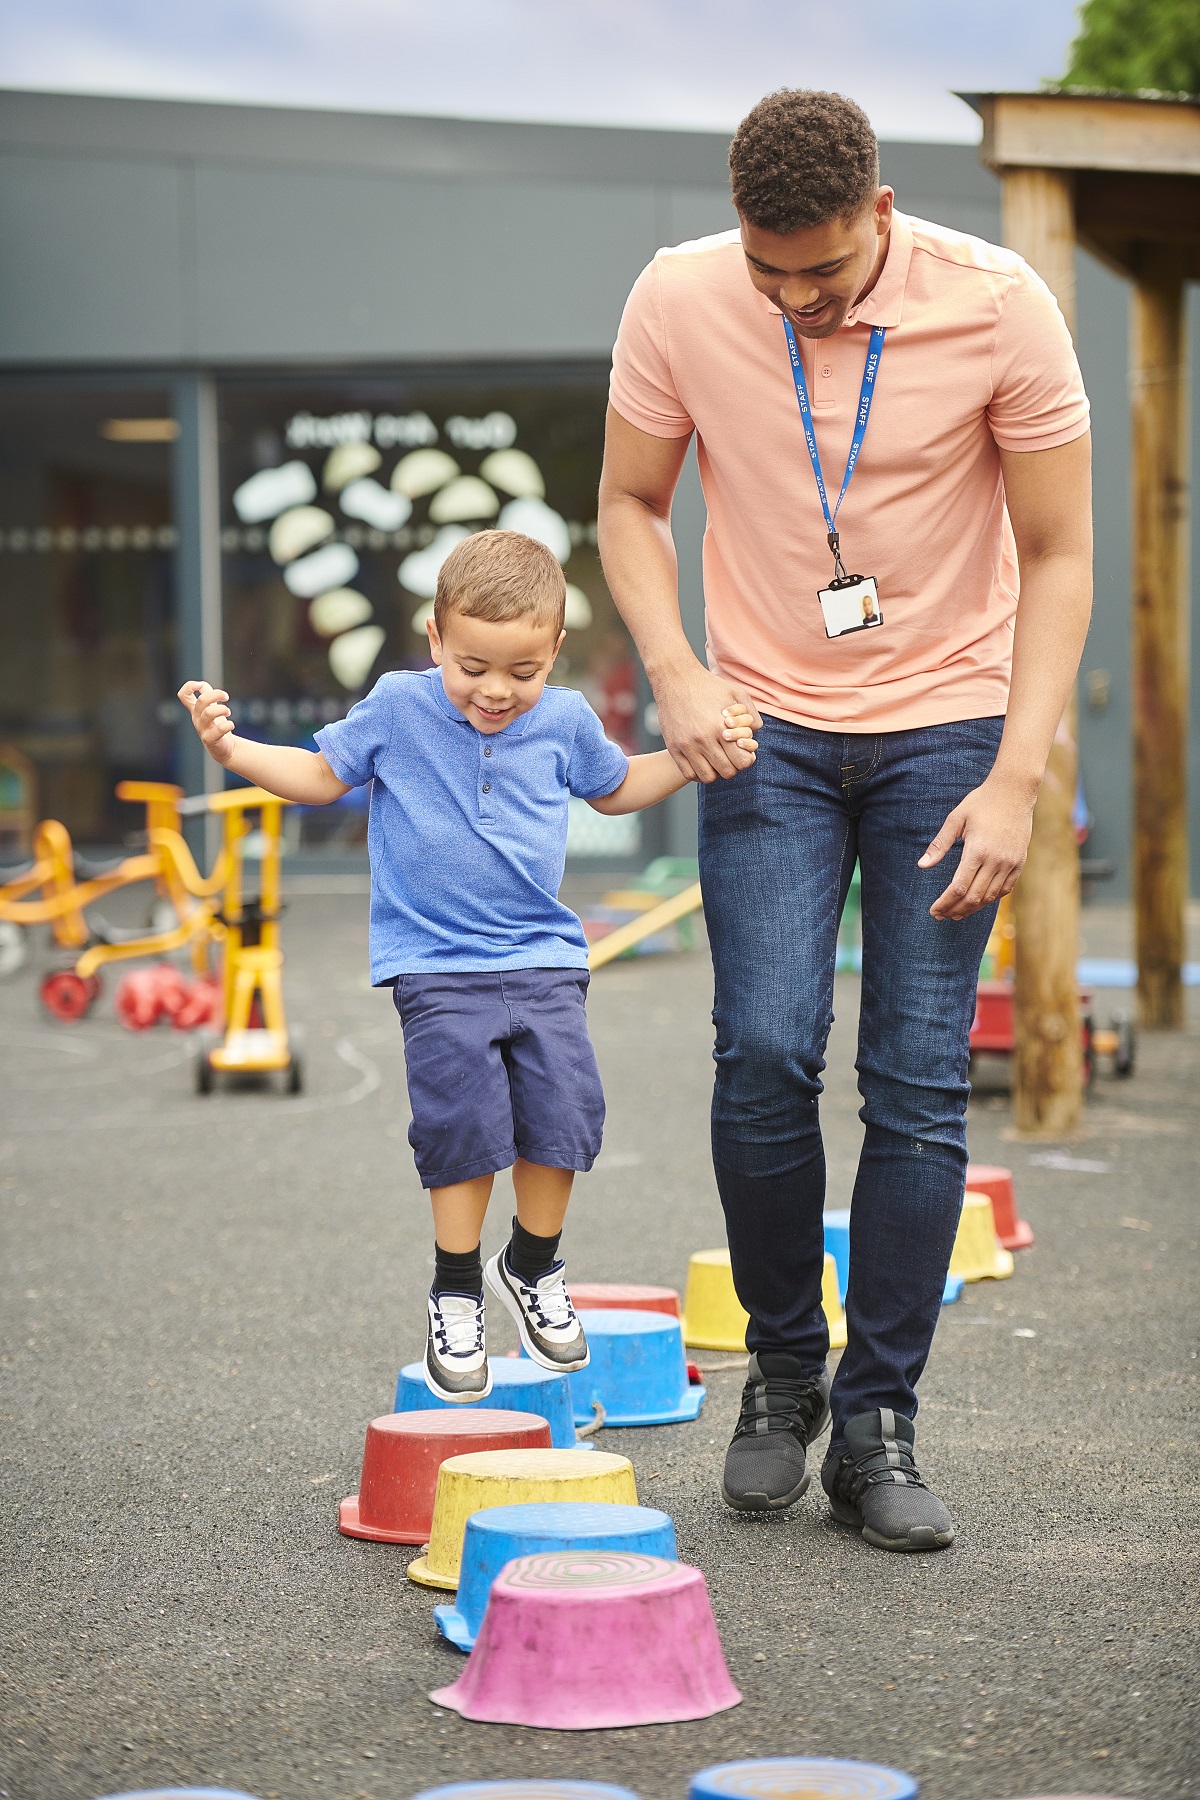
(576, 1640)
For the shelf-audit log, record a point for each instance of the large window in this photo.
(340, 500)
(86, 609)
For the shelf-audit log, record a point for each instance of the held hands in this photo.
(738, 732)
(994, 822)
(211, 717)
(703, 741)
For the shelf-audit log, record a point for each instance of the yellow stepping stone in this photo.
(485, 1478)
(978, 1254)
(714, 1318)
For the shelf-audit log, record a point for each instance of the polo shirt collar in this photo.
(444, 703)
(885, 302)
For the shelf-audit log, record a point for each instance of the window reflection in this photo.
(342, 501)
(86, 606)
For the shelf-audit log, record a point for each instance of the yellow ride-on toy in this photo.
(55, 891)
(247, 925)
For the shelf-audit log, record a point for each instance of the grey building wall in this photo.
(146, 235)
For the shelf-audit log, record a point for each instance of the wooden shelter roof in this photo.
(1135, 159)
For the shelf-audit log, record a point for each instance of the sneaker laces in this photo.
(892, 1464)
(458, 1324)
(547, 1298)
(781, 1403)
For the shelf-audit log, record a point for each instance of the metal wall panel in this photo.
(317, 265)
(299, 265)
(91, 259)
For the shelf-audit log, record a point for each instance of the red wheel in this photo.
(68, 996)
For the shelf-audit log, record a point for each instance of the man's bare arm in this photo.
(637, 485)
(1049, 497)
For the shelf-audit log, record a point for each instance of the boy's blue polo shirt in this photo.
(467, 831)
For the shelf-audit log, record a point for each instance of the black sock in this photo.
(530, 1256)
(458, 1272)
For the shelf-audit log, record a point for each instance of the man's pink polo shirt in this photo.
(977, 356)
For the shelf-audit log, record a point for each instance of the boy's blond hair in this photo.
(501, 575)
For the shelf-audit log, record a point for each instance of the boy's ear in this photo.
(435, 642)
(562, 638)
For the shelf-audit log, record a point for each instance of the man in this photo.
(830, 332)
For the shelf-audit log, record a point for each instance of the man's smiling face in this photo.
(815, 275)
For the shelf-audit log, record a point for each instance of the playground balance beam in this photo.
(626, 936)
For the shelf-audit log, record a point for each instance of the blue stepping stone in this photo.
(518, 1385)
(495, 1536)
(794, 1777)
(182, 1794)
(638, 1370)
(527, 1790)
(837, 1245)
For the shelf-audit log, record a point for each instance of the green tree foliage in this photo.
(1131, 44)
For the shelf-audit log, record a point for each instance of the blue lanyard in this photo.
(874, 352)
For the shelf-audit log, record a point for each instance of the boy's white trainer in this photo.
(456, 1364)
(548, 1323)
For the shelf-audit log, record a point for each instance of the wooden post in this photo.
(1160, 635)
(1039, 223)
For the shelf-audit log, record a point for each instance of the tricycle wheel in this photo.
(67, 996)
(205, 1079)
(295, 1075)
(1125, 1054)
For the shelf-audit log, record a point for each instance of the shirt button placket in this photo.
(824, 395)
(487, 772)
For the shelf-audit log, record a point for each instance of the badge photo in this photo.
(850, 605)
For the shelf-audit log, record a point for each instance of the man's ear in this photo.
(435, 642)
(883, 209)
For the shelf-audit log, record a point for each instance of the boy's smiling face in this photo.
(493, 671)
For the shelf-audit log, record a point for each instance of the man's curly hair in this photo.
(803, 158)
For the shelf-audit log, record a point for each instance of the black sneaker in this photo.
(874, 1485)
(783, 1410)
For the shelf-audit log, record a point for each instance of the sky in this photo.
(666, 63)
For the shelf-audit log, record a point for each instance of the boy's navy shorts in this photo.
(499, 1066)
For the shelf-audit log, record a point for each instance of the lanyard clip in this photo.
(839, 568)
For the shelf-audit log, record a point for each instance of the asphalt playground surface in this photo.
(205, 1300)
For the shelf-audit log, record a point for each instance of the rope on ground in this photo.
(597, 1424)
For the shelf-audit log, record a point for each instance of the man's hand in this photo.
(211, 717)
(691, 716)
(994, 822)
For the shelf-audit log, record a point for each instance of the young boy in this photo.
(471, 764)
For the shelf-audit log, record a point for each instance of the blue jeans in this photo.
(778, 843)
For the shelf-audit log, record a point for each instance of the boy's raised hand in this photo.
(211, 717)
(738, 733)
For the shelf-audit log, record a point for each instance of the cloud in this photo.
(684, 63)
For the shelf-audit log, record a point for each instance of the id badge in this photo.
(851, 604)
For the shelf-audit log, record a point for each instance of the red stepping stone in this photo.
(623, 1296)
(403, 1453)
(997, 1184)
